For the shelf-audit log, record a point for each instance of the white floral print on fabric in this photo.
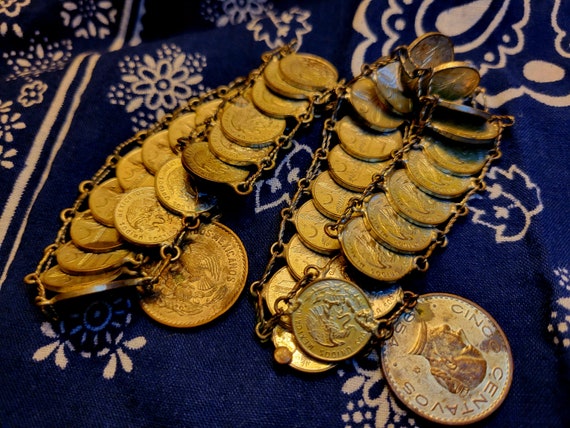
(560, 315)
(97, 332)
(152, 85)
(89, 18)
(11, 9)
(277, 29)
(231, 12)
(32, 93)
(9, 122)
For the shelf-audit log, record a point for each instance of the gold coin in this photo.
(453, 80)
(156, 151)
(131, 171)
(232, 153)
(142, 220)
(458, 159)
(332, 320)
(55, 279)
(199, 160)
(364, 99)
(329, 198)
(393, 230)
(383, 301)
(307, 71)
(389, 88)
(90, 235)
(245, 125)
(103, 199)
(75, 261)
(274, 105)
(448, 360)
(298, 359)
(432, 180)
(351, 173)
(370, 257)
(207, 110)
(279, 285)
(310, 226)
(299, 256)
(181, 127)
(364, 143)
(274, 81)
(414, 204)
(203, 283)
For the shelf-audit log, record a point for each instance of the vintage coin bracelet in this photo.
(405, 147)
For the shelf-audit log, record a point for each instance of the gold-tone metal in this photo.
(332, 320)
(369, 256)
(453, 80)
(414, 204)
(299, 256)
(55, 279)
(279, 285)
(389, 88)
(430, 50)
(207, 110)
(156, 151)
(203, 283)
(307, 71)
(274, 105)
(142, 220)
(233, 153)
(103, 199)
(274, 81)
(310, 225)
(90, 235)
(385, 300)
(351, 173)
(329, 198)
(131, 171)
(181, 127)
(453, 158)
(75, 261)
(393, 230)
(448, 360)
(364, 143)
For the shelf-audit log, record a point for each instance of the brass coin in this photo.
(203, 283)
(383, 301)
(453, 80)
(430, 50)
(370, 257)
(464, 124)
(389, 88)
(307, 71)
(364, 99)
(142, 220)
(298, 359)
(279, 285)
(364, 143)
(75, 261)
(199, 160)
(156, 151)
(393, 230)
(448, 360)
(274, 105)
(90, 235)
(351, 173)
(329, 198)
(55, 279)
(458, 159)
(181, 127)
(245, 125)
(207, 110)
(131, 171)
(332, 320)
(232, 153)
(310, 226)
(299, 256)
(103, 199)
(414, 204)
(432, 180)
(274, 81)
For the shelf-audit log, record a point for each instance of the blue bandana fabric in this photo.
(78, 77)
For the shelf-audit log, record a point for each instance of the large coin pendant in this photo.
(448, 360)
(332, 320)
(204, 283)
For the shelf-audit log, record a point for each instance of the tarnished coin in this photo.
(432, 180)
(103, 199)
(275, 82)
(364, 143)
(233, 153)
(364, 99)
(244, 124)
(430, 50)
(74, 261)
(383, 301)
(299, 256)
(329, 198)
(370, 257)
(457, 159)
(131, 171)
(333, 320)
(310, 226)
(90, 235)
(453, 80)
(393, 230)
(274, 105)
(181, 127)
(142, 220)
(279, 285)
(307, 71)
(199, 160)
(156, 151)
(448, 360)
(389, 87)
(351, 173)
(55, 279)
(203, 283)
(414, 204)
(285, 344)
(207, 111)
